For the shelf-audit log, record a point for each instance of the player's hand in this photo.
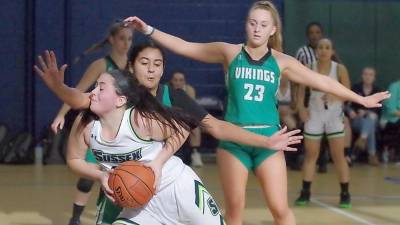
(136, 23)
(104, 185)
(58, 123)
(49, 71)
(373, 101)
(157, 169)
(282, 140)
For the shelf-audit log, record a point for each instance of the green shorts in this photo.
(251, 157)
(107, 212)
(90, 157)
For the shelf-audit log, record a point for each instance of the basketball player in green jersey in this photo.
(119, 38)
(253, 72)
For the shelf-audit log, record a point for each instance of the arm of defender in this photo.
(88, 79)
(53, 77)
(227, 131)
(214, 52)
(301, 74)
(154, 130)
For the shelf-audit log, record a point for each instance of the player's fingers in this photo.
(290, 149)
(38, 71)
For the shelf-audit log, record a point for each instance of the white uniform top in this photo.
(316, 102)
(128, 146)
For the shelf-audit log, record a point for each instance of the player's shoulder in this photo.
(281, 57)
(99, 63)
(232, 49)
(341, 68)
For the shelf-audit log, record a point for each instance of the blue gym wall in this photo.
(69, 27)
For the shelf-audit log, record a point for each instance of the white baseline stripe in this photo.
(342, 212)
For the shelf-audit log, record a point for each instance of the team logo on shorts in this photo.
(201, 195)
(212, 206)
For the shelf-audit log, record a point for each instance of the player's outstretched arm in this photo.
(53, 77)
(303, 75)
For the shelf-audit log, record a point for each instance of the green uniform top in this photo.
(110, 64)
(252, 89)
(166, 99)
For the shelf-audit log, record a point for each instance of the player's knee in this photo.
(235, 205)
(280, 211)
(84, 185)
(311, 157)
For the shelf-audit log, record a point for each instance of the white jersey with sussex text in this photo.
(127, 146)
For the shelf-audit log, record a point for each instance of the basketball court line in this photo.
(342, 212)
(362, 197)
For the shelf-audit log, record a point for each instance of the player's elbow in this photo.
(215, 128)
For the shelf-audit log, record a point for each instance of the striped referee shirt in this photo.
(306, 55)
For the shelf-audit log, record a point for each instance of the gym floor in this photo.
(43, 195)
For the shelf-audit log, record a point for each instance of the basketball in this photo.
(132, 184)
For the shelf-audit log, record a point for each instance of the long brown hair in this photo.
(112, 31)
(146, 105)
(275, 41)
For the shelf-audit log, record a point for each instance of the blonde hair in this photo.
(274, 41)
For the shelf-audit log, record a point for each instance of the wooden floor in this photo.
(32, 195)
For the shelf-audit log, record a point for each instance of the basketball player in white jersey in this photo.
(325, 116)
(125, 122)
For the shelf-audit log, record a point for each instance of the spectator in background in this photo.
(363, 120)
(306, 55)
(287, 111)
(391, 121)
(189, 155)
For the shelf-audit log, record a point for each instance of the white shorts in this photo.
(329, 122)
(185, 201)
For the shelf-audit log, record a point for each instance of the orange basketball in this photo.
(132, 184)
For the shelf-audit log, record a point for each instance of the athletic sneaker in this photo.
(345, 201)
(196, 159)
(303, 199)
(73, 221)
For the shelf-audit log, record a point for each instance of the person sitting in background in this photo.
(348, 135)
(364, 121)
(391, 121)
(286, 109)
(189, 155)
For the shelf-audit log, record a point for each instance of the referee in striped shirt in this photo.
(306, 55)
